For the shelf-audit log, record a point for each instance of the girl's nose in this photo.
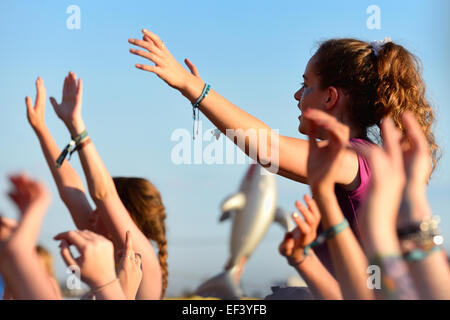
(298, 94)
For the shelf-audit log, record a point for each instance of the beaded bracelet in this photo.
(195, 112)
(70, 147)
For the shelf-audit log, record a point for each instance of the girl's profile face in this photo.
(309, 95)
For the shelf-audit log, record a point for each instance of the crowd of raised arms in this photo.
(368, 159)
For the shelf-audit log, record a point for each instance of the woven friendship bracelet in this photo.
(195, 112)
(70, 147)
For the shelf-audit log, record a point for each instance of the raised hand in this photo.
(166, 67)
(96, 261)
(378, 214)
(294, 243)
(36, 113)
(130, 269)
(388, 177)
(19, 262)
(28, 194)
(324, 162)
(69, 110)
(417, 154)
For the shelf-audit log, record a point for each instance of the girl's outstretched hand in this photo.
(294, 243)
(69, 110)
(166, 67)
(36, 114)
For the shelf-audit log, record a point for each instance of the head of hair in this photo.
(144, 204)
(46, 259)
(378, 85)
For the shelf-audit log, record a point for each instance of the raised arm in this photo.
(103, 191)
(283, 155)
(431, 273)
(324, 163)
(379, 212)
(68, 182)
(20, 265)
(321, 283)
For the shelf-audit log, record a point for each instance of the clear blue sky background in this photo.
(252, 52)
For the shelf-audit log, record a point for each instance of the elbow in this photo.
(100, 195)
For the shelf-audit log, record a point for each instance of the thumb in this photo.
(192, 68)
(128, 242)
(29, 105)
(66, 254)
(54, 104)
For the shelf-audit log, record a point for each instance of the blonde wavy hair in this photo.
(144, 204)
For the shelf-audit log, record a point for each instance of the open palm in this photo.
(70, 107)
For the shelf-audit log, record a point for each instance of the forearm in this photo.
(115, 216)
(111, 292)
(68, 182)
(100, 183)
(27, 232)
(432, 274)
(25, 275)
(382, 246)
(252, 135)
(347, 256)
(322, 284)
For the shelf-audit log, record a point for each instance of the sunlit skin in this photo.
(332, 100)
(98, 225)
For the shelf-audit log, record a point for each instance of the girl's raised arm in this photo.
(68, 182)
(20, 265)
(284, 155)
(324, 163)
(103, 191)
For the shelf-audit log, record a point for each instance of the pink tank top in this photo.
(350, 202)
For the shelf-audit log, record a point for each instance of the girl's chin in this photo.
(301, 128)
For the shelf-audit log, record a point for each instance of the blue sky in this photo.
(252, 52)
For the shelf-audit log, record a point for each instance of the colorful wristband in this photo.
(195, 112)
(419, 255)
(69, 148)
(205, 92)
(327, 234)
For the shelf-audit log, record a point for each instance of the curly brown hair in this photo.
(383, 84)
(144, 204)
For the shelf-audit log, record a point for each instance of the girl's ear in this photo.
(331, 98)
